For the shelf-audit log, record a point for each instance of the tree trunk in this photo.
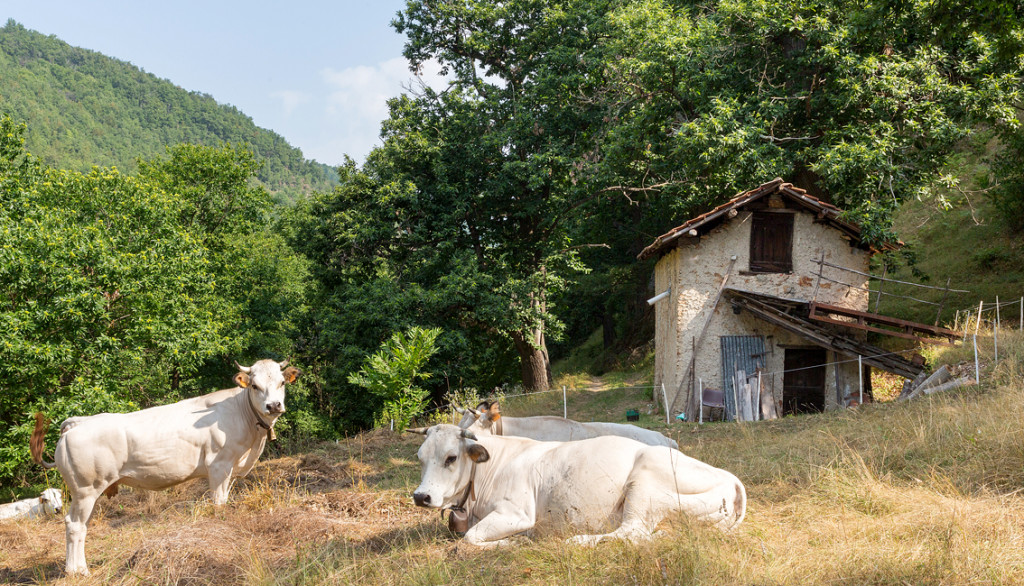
(535, 368)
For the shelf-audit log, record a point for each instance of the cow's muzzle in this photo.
(421, 499)
(275, 408)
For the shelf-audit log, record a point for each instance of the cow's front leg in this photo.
(220, 482)
(495, 529)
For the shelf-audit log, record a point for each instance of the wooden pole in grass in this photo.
(565, 404)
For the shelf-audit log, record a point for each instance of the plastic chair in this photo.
(711, 398)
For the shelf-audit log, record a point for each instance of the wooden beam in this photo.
(762, 308)
(821, 311)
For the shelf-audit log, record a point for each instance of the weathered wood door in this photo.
(771, 242)
(803, 383)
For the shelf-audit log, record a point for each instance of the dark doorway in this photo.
(803, 383)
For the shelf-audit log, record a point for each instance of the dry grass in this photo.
(923, 492)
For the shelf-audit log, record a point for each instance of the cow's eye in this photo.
(449, 460)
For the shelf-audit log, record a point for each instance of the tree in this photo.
(390, 374)
(102, 293)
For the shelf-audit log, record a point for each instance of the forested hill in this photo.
(84, 108)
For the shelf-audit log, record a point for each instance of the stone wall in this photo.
(695, 269)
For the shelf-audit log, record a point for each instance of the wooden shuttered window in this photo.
(771, 242)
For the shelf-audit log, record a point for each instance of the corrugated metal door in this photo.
(744, 353)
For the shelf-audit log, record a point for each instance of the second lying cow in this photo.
(487, 419)
(609, 486)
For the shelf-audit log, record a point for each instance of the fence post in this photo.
(565, 404)
(664, 397)
(995, 330)
(860, 380)
(977, 324)
(977, 372)
(700, 401)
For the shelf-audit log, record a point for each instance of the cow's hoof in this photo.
(584, 540)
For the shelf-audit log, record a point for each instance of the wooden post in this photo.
(967, 324)
(941, 303)
(565, 405)
(821, 269)
(759, 391)
(977, 324)
(878, 298)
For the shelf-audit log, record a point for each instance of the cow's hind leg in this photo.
(75, 526)
(651, 492)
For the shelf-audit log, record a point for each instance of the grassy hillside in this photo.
(84, 108)
(924, 492)
(969, 245)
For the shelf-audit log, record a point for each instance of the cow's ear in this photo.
(478, 453)
(494, 413)
(241, 379)
(290, 374)
(483, 406)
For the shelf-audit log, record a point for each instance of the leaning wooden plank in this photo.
(953, 384)
(940, 376)
(768, 405)
(910, 385)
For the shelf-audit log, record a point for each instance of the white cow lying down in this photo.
(216, 436)
(48, 503)
(609, 487)
(487, 419)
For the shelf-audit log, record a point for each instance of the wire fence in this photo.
(988, 313)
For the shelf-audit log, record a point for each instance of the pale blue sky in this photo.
(315, 71)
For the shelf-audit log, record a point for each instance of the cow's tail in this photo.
(38, 442)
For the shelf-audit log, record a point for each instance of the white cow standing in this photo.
(48, 503)
(487, 419)
(218, 436)
(610, 486)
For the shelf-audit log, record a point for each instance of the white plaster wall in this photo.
(695, 270)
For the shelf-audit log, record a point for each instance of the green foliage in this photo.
(87, 109)
(390, 374)
(121, 292)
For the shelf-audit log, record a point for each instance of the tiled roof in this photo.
(826, 211)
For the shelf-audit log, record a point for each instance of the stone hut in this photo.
(736, 290)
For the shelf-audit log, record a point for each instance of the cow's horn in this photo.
(461, 410)
(285, 363)
(244, 369)
(419, 430)
(468, 434)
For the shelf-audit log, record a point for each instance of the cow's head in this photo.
(52, 501)
(481, 419)
(266, 380)
(448, 455)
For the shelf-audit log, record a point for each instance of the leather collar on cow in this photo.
(271, 436)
